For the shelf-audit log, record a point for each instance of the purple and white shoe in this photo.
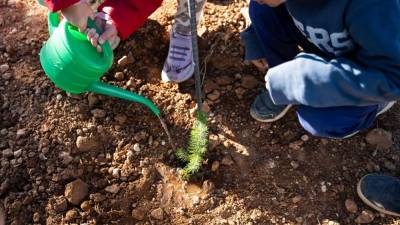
(179, 65)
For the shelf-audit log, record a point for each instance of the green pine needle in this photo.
(197, 147)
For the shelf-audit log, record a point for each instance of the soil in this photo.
(90, 159)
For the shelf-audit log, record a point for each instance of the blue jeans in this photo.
(280, 40)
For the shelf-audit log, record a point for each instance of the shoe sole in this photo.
(369, 203)
(276, 118)
(390, 105)
(165, 78)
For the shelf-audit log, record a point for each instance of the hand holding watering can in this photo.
(75, 66)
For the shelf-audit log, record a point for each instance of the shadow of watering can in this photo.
(75, 66)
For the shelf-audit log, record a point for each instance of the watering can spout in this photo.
(106, 89)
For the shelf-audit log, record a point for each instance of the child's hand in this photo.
(261, 64)
(78, 14)
(110, 32)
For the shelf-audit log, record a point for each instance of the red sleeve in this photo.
(129, 15)
(55, 5)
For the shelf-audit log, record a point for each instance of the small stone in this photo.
(140, 136)
(119, 76)
(206, 107)
(297, 199)
(214, 95)
(379, 137)
(323, 187)
(249, 82)
(227, 161)
(305, 138)
(121, 119)
(210, 86)
(85, 144)
(294, 164)
(351, 206)
(223, 80)
(138, 214)
(21, 133)
(71, 215)
(124, 60)
(6, 76)
(215, 166)
(4, 68)
(36, 217)
(136, 147)
(18, 153)
(97, 197)
(98, 113)
(330, 222)
(116, 172)
(60, 204)
(85, 206)
(76, 191)
(7, 153)
(114, 189)
(157, 214)
(92, 99)
(59, 97)
(365, 217)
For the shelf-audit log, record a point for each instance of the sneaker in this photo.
(381, 193)
(264, 109)
(384, 107)
(179, 65)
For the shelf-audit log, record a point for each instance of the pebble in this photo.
(297, 199)
(323, 187)
(85, 144)
(157, 214)
(114, 189)
(121, 119)
(18, 153)
(305, 138)
(136, 147)
(36, 217)
(351, 206)
(85, 206)
(4, 68)
(215, 166)
(71, 215)
(365, 217)
(119, 76)
(7, 153)
(116, 172)
(98, 113)
(214, 95)
(59, 97)
(379, 137)
(223, 80)
(6, 76)
(138, 214)
(124, 60)
(76, 191)
(389, 165)
(92, 99)
(60, 204)
(21, 133)
(294, 164)
(249, 82)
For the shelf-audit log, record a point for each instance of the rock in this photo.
(125, 60)
(206, 107)
(351, 206)
(249, 82)
(294, 164)
(157, 214)
(71, 215)
(36, 217)
(6, 76)
(7, 153)
(76, 191)
(210, 86)
(121, 119)
(140, 136)
(18, 153)
(365, 217)
(116, 172)
(138, 214)
(136, 147)
(4, 68)
(379, 137)
(92, 99)
(60, 204)
(330, 222)
(214, 95)
(85, 206)
(215, 166)
(305, 138)
(21, 133)
(240, 92)
(227, 161)
(297, 199)
(224, 80)
(323, 187)
(97, 197)
(85, 144)
(98, 113)
(119, 76)
(114, 189)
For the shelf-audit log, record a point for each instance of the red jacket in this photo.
(127, 15)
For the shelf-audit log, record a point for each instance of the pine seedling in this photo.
(197, 147)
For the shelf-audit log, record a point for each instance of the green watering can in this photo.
(75, 66)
